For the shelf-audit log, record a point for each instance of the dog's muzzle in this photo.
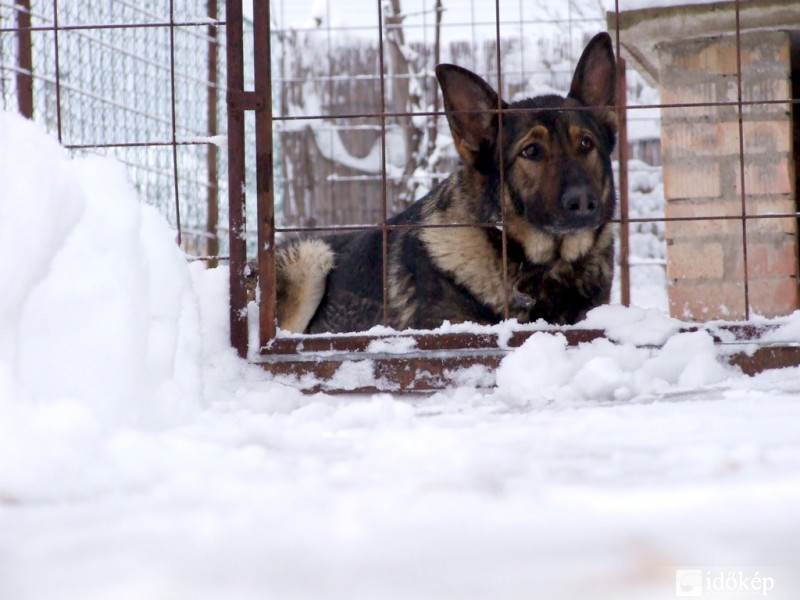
(580, 209)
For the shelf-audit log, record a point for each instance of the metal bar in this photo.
(209, 259)
(342, 228)
(154, 144)
(234, 45)
(503, 232)
(391, 373)
(46, 28)
(437, 50)
(265, 196)
(384, 186)
(58, 72)
(624, 154)
(450, 25)
(240, 100)
(173, 122)
(741, 163)
(212, 185)
(766, 358)
(24, 59)
(509, 110)
(420, 341)
(329, 89)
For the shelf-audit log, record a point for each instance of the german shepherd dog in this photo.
(540, 168)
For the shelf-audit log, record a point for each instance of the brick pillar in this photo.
(702, 176)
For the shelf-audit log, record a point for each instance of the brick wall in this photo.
(702, 176)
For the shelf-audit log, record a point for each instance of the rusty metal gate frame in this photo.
(435, 356)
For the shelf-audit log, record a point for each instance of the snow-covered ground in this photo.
(139, 458)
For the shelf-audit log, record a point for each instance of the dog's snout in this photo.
(579, 201)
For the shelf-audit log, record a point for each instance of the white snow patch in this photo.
(101, 309)
(545, 370)
(392, 345)
(632, 325)
(216, 140)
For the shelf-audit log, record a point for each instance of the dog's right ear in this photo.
(471, 105)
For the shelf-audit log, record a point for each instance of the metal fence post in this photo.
(24, 59)
(265, 194)
(624, 156)
(212, 185)
(236, 176)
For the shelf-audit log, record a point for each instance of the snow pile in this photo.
(98, 307)
(545, 370)
(101, 339)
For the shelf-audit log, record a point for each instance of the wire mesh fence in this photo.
(135, 80)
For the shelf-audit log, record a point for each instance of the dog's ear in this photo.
(595, 81)
(471, 105)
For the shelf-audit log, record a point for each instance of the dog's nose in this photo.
(579, 201)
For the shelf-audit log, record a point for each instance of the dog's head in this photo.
(551, 153)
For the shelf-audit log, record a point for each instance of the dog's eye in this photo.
(532, 152)
(587, 144)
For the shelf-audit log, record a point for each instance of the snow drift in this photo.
(97, 305)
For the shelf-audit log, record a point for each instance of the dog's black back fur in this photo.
(541, 166)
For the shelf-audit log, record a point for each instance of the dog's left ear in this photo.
(471, 105)
(595, 81)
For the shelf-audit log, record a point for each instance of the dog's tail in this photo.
(301, 269)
